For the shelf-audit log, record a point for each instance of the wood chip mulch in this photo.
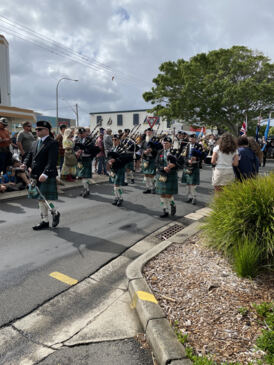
(197, 287)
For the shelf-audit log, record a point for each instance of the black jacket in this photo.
(44, 161)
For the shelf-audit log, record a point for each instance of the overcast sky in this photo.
(114, 47)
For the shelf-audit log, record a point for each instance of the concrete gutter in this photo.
(163, 341)
(96, 179)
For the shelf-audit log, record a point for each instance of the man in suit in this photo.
(42, 162)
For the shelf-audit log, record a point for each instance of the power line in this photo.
(57, 48)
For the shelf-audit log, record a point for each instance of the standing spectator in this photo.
(61, 150)
(108, 141)
(255, 147)
(223, 159)
(25, 139)
(101, 155)
(5, 141)
(248, 161)
(68, 171)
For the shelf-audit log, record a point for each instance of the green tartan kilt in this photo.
(129, 166)
(118, 178)
(48, 189)
(191, 179)
(150, 169)
(84, 169)
(170, 186)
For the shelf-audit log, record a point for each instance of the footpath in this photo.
(128, 308)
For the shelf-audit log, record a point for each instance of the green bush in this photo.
(246, 256)
(243, 212)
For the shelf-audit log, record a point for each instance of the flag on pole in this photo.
(202, 132)
(266, 133)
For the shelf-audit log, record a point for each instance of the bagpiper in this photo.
(191, 170)
(85, 151)
(129, 167)
(42, 163)
(149, 166)
(166, 178)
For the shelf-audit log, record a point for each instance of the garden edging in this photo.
(162, 339)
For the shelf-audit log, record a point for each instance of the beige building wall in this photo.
(4, 72)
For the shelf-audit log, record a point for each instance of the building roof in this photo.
(121, 111)
(13, 112)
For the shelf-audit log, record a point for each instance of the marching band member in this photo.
(149, 167)
(42, 162)
(191, 171)
(85, 152)
(166, 178)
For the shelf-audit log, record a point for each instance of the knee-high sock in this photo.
(164, 203)
(150, 182)
(118, 192)
(44, 211)
(189, 191)
(193, 190)
(86, 183)
(147, 182)
(171, 200)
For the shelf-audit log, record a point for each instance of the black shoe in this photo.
(115, 201)
(148, 191)
(55, 219)
(164, 215)
(193, 201)
(40, 226)
(189, 200)
(153, 191)
(172, 210)
(125, 184)
(132, 181)
(119, 202)
(85, 193)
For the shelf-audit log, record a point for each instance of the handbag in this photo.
(70, 159)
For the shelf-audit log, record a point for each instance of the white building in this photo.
(127, 119)
(4, 72)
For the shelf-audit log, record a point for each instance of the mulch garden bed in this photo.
(197, 289)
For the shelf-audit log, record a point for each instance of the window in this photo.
(135, 119)
(99, 120)
(119, 119)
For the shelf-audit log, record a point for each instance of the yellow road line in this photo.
(64, 278)
(143, 295)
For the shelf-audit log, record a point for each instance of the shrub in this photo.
(243, 212)
(246, 257)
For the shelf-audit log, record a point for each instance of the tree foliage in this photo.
(216, 89)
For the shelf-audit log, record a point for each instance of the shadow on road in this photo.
(90, 242)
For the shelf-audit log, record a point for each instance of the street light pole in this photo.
(63, 78)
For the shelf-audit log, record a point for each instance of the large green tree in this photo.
(219, 88)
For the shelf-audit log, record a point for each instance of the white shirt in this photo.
(224, 160)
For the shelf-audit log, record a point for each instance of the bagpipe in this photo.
(88, 146)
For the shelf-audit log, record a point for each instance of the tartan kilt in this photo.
(129, 166)
(150, 169)
(48, 189)
(168, 187)
(84, 168)
(191, 179)
(118, 178)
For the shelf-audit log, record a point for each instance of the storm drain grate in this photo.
(171, 231)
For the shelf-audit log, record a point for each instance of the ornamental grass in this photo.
(241, 224)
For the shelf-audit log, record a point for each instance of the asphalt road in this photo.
(92, 232)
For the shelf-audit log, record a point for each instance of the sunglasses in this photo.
(39, 129)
